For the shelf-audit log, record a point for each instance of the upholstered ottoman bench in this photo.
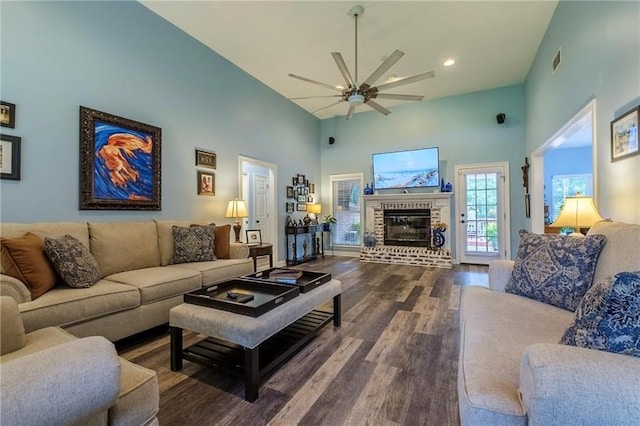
(252, 346)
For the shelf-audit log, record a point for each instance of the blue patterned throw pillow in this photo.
(193, 244)
(555, 269)
(608, 317)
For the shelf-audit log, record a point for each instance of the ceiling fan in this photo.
(356, 93)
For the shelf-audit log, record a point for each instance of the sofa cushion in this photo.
(492, 341)
(160, 282)
(79, 230)
(192, 244)
(23, 258)
(65, 306)
(223, 239)
(11, 326)
(616, 256)
(111, 245)
(72, 261)
(220, 270)
(555, 269)
(608, 317)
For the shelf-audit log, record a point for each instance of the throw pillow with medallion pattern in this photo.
(72, 261)
(192, 244)
(555, 269)
(608, 317)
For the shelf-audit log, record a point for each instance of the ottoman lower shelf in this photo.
(252, 364)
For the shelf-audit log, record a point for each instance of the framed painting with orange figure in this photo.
(119, 163)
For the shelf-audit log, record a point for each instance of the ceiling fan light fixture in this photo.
(356, 100)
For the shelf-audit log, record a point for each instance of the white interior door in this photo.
(261, 206)
(482, 213)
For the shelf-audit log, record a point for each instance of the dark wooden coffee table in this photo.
(252, 347)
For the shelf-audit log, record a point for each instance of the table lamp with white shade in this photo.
(577, 212)
(237, 209)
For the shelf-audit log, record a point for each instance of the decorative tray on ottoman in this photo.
(305, 280)
(229, 295)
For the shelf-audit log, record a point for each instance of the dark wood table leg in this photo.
(176, 348)
(255, 263)
(271, 259)
(251, 373)
(337, 310)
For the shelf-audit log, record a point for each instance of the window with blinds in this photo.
(346, 200)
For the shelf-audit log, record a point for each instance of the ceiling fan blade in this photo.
(313, 97)
(378, 107)
(315, 82)
(328, 106)
(343, 68)
(352, 109)
(384, 67)
(396, 96)
(407, 80)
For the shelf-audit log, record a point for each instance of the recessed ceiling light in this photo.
(449, 62)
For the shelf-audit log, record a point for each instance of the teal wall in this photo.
(120, 58)
(600, 44)
(566, 161)
(464, 127)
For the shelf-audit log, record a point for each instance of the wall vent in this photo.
(556, 61)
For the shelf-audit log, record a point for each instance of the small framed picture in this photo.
(289, 191)
(302, 198)
(254, 237)
(290, 207)
(206, 183)
(310, 199)
(302, 207)
(306, 183)
(312, 188)
(624, 135)
(9, 157)
(205, 159)
(301, 179)
(295, 180)
(7, 115)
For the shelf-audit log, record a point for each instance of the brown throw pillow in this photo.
(23, 258)
(221, 244)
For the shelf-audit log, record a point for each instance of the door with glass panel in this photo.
(482, 205)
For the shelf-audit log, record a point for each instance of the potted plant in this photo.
(327, 221)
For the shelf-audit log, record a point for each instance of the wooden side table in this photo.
(264, 249)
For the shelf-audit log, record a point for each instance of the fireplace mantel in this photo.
(439, 204)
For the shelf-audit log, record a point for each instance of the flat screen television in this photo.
(416, 168)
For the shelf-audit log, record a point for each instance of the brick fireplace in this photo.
(438, 205)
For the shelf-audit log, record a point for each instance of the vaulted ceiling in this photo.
(492, 42)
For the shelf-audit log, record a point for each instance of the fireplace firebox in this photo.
(410, 227)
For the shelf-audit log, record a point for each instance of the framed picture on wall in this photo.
(289, 191)
(302, 207)
(119, 163)
(9, 157)
(206, 183)
(290, 207)
(624, 135)
(7, 114)
(302, 198)
(205, 159)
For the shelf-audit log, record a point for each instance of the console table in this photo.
(308, 234)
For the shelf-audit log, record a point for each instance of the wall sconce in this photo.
(237, 209)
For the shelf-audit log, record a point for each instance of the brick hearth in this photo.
(440, 205)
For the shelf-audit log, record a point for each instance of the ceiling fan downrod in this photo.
(356, 11)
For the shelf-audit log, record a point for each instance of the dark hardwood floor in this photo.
(393, 361)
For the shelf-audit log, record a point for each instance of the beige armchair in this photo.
(51, 377)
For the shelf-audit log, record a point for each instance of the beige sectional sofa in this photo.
(512, 369)
(138, 286)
